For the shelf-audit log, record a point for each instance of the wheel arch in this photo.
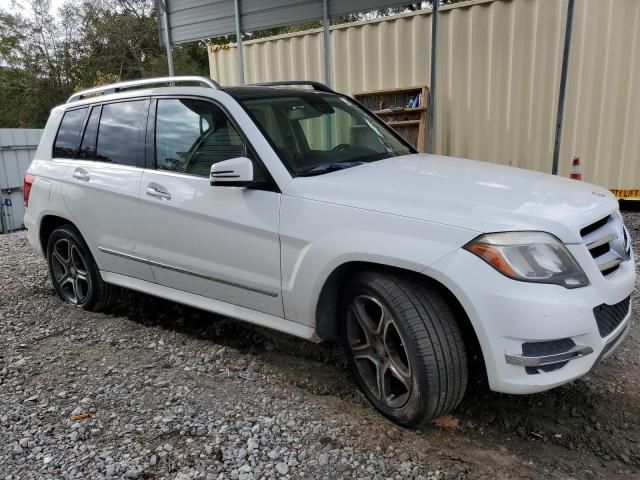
(48, 224)
(327, 316)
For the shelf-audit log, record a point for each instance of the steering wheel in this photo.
(341, 148)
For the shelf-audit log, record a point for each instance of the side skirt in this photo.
(214, 306)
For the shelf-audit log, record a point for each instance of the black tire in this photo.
(74, 273)
(430, 378)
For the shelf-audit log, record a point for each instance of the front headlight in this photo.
(530, 257)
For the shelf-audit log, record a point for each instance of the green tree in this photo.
(46, 56)
(39, 59)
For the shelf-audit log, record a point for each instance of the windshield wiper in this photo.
(329, 167)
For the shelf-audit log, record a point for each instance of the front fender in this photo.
(318, 237)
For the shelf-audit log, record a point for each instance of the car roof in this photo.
(131, 88)
(238, 93)
(251, 91)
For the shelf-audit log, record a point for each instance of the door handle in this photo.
(81, 174)
(157, 191)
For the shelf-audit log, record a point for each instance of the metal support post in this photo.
(432, 86)
(327, 43)
(167, 35)
(563, 87)
(239, 43)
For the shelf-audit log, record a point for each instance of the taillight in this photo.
(26, 188)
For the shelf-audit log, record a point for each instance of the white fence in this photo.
(17, 147)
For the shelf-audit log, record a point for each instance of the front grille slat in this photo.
(601, 241)
(594, 226)
(609, 317)
(600, 250)
(599, 237)
(613, 263)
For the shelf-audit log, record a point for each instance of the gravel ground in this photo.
(156, 390)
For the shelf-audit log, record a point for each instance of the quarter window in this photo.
(69, 133)
(192, 135)
(119, 133)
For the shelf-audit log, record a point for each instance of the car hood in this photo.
(479, 196)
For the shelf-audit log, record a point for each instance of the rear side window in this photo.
(119, 133)
(69, 133)
(88, 146)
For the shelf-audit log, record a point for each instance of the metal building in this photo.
(182, 21)
(17, 147)
(498, 68)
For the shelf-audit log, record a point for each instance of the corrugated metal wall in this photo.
(498, 75)
(17, 147)
(602, 110)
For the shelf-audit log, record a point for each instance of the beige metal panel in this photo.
(222, 64)
(602, 116)
(384, 54)
(498, 70)
(498, 78)
(287, 58)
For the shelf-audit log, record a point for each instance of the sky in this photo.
(17, 5)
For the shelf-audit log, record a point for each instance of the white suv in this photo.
(298, 210)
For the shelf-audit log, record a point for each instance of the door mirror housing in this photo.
(235, 172)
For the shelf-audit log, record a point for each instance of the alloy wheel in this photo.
(70, 271)
(379, 351)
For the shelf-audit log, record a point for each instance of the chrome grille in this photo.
(608, 243)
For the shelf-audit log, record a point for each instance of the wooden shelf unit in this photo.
(395, 108)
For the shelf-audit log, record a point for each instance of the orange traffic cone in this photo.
(576, 169)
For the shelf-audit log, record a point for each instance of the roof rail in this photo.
(117, 87)
(316, 85)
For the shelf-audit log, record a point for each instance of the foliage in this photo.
(45, 57)
(37, 56)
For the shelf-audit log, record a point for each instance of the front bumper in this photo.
(556, 359)
(535, 337)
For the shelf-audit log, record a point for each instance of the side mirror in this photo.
(235, 172)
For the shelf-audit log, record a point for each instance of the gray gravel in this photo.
(156, 390)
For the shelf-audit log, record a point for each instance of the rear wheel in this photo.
(74, 273)
(404, 347)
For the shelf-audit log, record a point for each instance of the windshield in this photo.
(319, 133)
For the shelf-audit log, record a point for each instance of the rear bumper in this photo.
(535, 337)
(32, 232)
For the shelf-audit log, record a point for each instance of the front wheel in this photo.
(74, 273)
(404, 347)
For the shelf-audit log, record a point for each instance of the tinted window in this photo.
(192, 135)
(68, 134)
(88, 146)
(119, 132)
